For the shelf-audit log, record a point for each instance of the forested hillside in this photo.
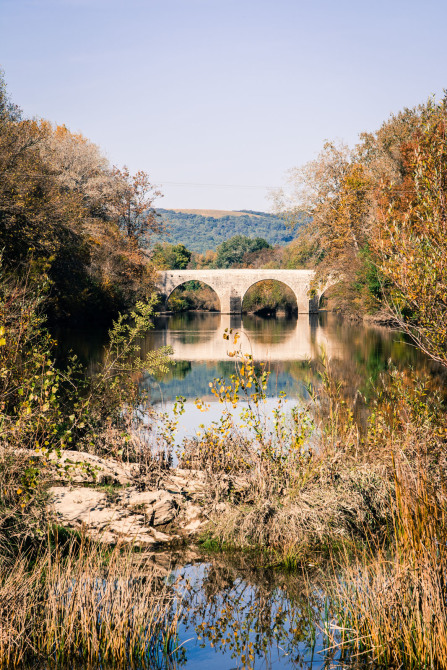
(205, 229)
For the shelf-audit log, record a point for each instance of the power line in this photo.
(191, 183)
(173, 183)
(396, 189)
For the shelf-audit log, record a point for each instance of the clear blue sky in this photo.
(227, 92)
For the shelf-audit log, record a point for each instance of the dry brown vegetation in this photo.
(371, 501)
(85, 605)
(314, 479)
(389, 603)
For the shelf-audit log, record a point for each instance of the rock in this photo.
(190, 482)
(192, 518)
(77, 504)
(104, 521)
(144, 518)
(79, 466)
(160, 507)
(128, 516)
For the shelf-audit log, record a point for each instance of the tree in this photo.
(134, 209)
(8, 110)
(262, 258)
(80, 167)
(171, 256)
(412, 236)
(59, 217)
(232, 251)
(339, 193)
(40, 222)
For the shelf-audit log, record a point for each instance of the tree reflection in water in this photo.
(256, 617)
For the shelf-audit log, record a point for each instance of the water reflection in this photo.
(289, 346)
(253, 622)
(199, 337)
(239, 614)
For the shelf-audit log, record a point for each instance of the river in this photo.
(237, 614)
(290, 348)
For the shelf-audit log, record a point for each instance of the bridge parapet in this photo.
(231, 285)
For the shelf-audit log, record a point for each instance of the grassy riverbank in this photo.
(313, 476)
(63, 603)
(389, 601)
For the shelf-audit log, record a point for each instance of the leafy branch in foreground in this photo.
(273, 453)
(45, 409)
(114, 405)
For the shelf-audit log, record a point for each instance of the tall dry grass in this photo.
(86, 607)
(390, 603)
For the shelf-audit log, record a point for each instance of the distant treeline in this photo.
(202, 233)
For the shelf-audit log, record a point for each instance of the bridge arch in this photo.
(271, 279)
(165, 298)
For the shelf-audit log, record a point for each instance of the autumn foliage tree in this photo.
(40, 223)
(67, 214)
(411, 244)
(339, 193)
(378, 222)
(333, 193)
(134, 209)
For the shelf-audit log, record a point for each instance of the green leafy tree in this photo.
(204, 230)
(232, 251)
(171, 256)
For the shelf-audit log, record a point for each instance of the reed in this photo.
(390, 604)
(86, 607)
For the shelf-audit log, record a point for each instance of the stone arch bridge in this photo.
(231, 285)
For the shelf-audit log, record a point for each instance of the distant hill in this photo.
(203, 229)
(217, 213)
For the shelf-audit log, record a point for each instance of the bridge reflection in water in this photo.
(272, 340)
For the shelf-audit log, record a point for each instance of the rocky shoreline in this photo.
(112, 503)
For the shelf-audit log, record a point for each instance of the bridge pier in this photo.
(230, 302)
(314, 304)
